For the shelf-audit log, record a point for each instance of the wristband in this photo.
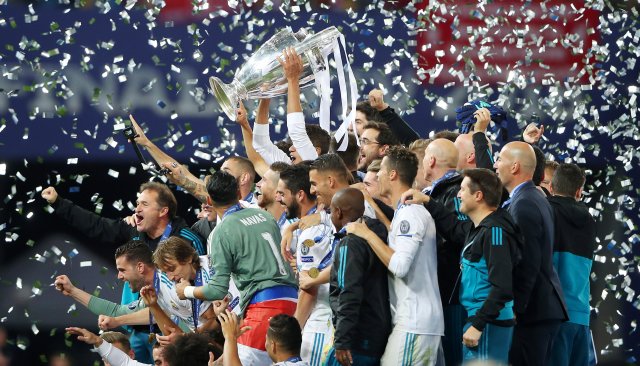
(188, 292)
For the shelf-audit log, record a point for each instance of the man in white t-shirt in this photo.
(418, 322)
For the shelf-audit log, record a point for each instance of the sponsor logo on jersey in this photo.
(405, 226)
(308, 259)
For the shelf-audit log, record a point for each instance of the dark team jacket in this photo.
(116, 230)
(359, 295)
(446, 192)
(573, 246)
(401, 129)
(489, 255)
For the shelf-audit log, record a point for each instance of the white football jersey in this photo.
(313, 248)
(180, 311)
(413, 281)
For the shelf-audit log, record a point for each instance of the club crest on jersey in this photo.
(304, 249)
(404, 226)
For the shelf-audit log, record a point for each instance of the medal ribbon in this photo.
(232, 209)
(195, 303)
(156, 286)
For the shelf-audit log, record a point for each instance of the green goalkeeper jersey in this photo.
(245, 246)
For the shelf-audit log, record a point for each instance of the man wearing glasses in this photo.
(374, 143)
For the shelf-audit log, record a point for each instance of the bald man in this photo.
(440, 161)
(466, 152)
(359, 294)
(539, 301)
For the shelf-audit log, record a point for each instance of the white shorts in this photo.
(314, 345)
(250, 356)
(405, 349)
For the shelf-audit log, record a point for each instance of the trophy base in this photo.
(226, 95)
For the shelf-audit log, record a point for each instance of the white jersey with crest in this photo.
(413, 278)
(313, 245)
(180, 311)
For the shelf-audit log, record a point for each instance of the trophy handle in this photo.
(228, 96)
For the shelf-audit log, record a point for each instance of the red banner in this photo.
(506, 41)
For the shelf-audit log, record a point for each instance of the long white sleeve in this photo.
(265, 147)
(116, 357)
(299, 137)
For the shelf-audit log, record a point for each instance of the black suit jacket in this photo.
(537, 291)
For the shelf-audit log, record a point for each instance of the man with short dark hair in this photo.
(135, 265)
(359, 294)
(574, 244)
(411, 260)
(244, 245)
(242, 169)
(313, 254)
(375, 140)
(192, 349)
(266, 194)
(490, 245)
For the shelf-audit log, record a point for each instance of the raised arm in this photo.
(400, 128)
(167, 326)
(259, 163)
(87, 222)
(293, 66)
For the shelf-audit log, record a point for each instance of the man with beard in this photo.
(155, 220)
(313, 254)
(267, 198)
(375, 141)
(135, 265)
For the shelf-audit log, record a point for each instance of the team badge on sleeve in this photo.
(304, 249)
(404, 226)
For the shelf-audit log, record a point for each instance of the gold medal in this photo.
(152, 337)
(308, 243)
(314, 272)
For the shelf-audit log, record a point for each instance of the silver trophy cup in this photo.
(261, 76)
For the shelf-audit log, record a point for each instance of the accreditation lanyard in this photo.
(195, 303)
(282, 220)
(328, 259)
(156, 286)
(235, 208)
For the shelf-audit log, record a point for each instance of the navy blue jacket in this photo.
(359, 295)
(537, 290)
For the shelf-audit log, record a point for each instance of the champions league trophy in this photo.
(262, 76)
